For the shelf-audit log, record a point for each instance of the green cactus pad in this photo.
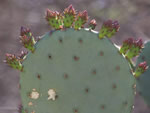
(143, 81)
(87, 74)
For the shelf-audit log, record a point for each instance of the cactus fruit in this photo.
(141, 68)
(74, 70)
(13, 61)
(131, 48)
(135, 49)
(143, 81)
(27, 39)
(54, 19)
(109, 28)
(92, 24)
(126, 45)
(81, 19)
(69, 16)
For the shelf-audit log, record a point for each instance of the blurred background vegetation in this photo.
(133, 16)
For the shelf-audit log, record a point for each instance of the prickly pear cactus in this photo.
(73, 69)
(143, 81)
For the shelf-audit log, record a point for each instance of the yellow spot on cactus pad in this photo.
(34, 94)
(51, 94)
(33, 112)
(30, 104)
